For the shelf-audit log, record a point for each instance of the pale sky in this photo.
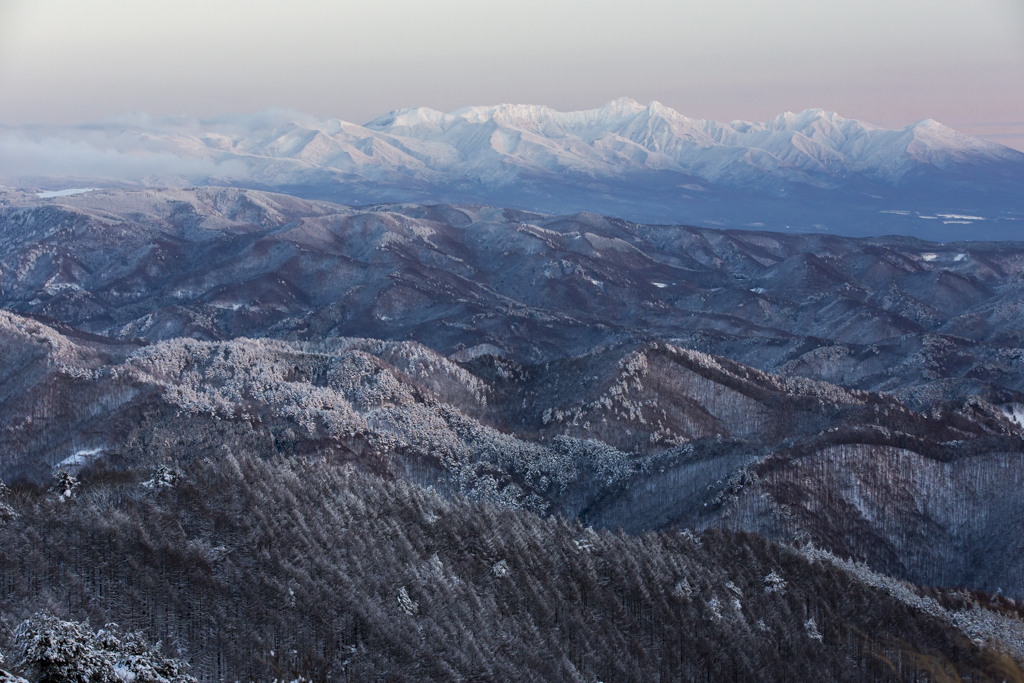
(889, 62)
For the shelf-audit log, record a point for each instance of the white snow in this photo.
(812, 629)
(494, 145)
(659, 285)
(929, 257)
(958, 216)
(1014, 411)
(958, 222)
(80, 458)
(473, 352)
(64, 193)
(960, 257)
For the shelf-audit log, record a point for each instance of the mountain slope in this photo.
(932, 322)
(807, 147)
(643, 438)
(261, 570)
(809, 171)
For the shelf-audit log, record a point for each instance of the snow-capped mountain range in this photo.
(643, 162)
(811, 147)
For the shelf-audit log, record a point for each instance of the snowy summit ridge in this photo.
(620, 158)
(811, 141)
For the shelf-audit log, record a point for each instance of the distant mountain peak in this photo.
(521, 114)
(406, 117)
(635, 160)
(622, 105)
(791, 121)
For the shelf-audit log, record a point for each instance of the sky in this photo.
(888, 62)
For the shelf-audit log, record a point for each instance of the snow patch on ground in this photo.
(659, 285)
(80, 458)
(469, 354)
(960, 257)
(1014, 411)
(985, 627)
(64, 193)
(929, 257)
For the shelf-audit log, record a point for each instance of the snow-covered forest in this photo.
(779, 470)
(252, 568)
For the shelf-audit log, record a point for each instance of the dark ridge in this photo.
(254, 567)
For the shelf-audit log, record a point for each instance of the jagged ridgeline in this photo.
(812, 170)
(215, 430)
(927, 321)
(261, 569)
(638, 437)
(242, 498)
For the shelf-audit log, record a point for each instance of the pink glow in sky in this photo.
(889, 62)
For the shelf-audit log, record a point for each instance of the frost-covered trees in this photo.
(164, 477)
(408, 605)
(774, 583)
(640, 437)
(64, 485)
(262, 569)
(6, 511)
(6, 676)
(50, 650)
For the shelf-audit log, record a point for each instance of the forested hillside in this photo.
(640, 438)
(930, 321)
(247, 567)
(273, 439)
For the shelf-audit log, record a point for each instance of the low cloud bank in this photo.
(25, 157)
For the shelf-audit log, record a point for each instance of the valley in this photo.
(842, 405)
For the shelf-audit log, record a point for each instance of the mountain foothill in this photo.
(287, 438)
